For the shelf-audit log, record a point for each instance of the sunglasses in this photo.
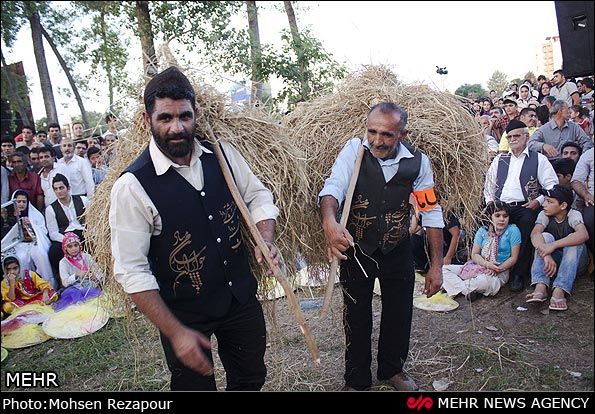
(515, 136)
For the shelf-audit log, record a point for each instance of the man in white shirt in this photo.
(64, 215)
(79, 169)
(515, 178)
(177, 246)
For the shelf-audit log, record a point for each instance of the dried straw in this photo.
(438, 126)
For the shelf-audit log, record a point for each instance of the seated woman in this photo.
(32, 252)
(23, 286)
(495, 251)
(80, 275)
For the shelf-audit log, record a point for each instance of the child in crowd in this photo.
(559, 238)
(23, 286)
(496, 249)
(79, 274)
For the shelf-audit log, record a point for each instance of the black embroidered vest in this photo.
(199, 259)
(61, 218)
(527, 178)
(379, 214)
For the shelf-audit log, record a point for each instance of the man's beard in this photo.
(178, 149)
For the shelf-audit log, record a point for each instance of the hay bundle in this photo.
(264, 145)
(438, 126)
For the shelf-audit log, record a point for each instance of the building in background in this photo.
(549, 57)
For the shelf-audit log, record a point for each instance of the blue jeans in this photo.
(571, 260)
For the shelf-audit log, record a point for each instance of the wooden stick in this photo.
(264, 248)
(330, 284)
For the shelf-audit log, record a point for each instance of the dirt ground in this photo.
(492, 344)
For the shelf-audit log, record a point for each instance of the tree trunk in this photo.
(66, 70)
(15, 94)
(298, 48)
(146, 39)
(255, 53)
(42, 66)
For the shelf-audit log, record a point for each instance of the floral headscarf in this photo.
(77, 261)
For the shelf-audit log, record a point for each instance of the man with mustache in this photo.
(376, 243)
(177, 245)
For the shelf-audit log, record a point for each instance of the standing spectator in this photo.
(55, 138)
(49, 169)
(98, 169)
(79, 170)
(41, 136)
(8, 146)
(28, 134)
(22, 178)
(564, 89)
(80, 148)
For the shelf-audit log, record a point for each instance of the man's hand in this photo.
(550, 150)
(273, 254)
(187, 344)
(550, 268)
(533, 204)
(338, 240)
(433, 281)
(544, 250)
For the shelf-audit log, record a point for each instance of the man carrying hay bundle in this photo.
(177, 244)
(375, 243)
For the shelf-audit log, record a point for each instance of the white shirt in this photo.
(73, 223)
(546, 176)
(337, 183)
(134, 218)
(81, 178)
(46, 182)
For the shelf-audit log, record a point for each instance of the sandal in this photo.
(561, 302)
(536, 297)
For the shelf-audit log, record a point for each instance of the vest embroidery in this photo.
(360, 221)
(186, 265)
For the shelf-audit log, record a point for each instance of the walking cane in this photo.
(263, 247)
(330, 284)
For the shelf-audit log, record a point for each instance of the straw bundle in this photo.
(438, 126)
(264, 145)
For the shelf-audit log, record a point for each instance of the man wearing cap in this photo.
(549, 138)
(559, 238)
(528, 116)
(515, 178)
(177, 247)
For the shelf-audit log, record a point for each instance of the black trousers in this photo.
(241, 343)
(524, 218)
(397, 278)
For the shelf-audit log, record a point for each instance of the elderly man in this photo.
(549, 138)
(528, 116)
(515, 178)
(375, 243)
(79, 170)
